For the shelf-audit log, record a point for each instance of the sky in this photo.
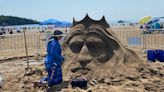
(65, 10)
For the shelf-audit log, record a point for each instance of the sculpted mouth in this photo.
(82, 69)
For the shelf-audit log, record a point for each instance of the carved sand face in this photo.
(92, 50)
(90, 44)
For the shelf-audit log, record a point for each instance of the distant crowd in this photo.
(4, 31)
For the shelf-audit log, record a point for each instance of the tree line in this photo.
(11, 20)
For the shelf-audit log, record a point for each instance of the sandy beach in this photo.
(148, 76)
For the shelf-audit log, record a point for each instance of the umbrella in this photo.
(144, 19)
(153, 20)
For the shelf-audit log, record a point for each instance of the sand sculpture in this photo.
(92, 49)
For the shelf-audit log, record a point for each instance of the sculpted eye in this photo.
(95, 47)
(76, 46)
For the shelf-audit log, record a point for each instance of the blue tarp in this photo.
(134, 41)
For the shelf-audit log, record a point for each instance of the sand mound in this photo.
(144, 77)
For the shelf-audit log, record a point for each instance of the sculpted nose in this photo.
(84, 57)
(84, 61)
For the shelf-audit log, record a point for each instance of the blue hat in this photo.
(57, 33)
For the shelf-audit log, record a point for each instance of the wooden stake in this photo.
(26, 47)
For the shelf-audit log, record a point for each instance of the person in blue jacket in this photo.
(54, 60)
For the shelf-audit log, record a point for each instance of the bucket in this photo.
(81, 83)
(151, 55)
(160, 55)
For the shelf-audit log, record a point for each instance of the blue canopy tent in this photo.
(155, 25)
(51, 22)
(56, 23)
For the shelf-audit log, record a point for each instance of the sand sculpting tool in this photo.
(1, 80)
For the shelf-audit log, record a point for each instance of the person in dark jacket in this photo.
(54, 59)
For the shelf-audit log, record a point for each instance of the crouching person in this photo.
(54, 60)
